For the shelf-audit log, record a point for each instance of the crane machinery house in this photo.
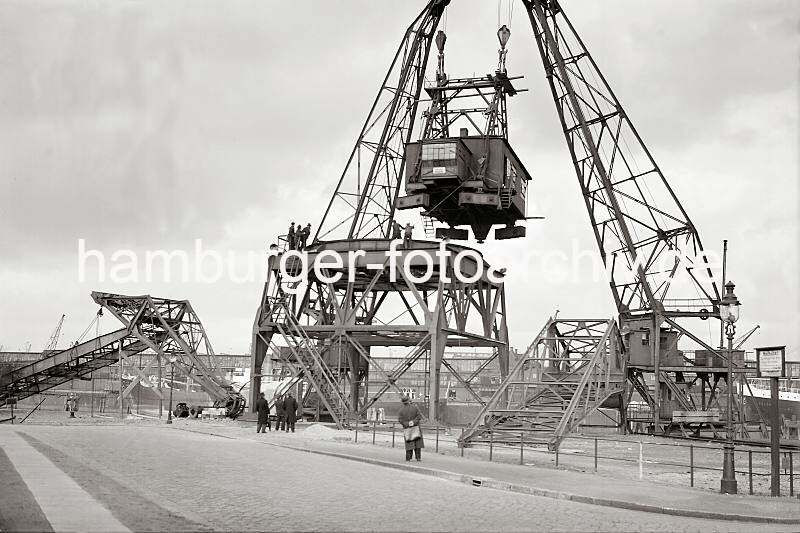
(474, 178)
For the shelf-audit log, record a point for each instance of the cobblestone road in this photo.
(163, 478)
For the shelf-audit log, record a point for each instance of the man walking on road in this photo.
(280, 411)
(290, 405)
(262, 408)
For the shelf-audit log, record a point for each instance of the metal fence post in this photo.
(521, 448)
(491, 444)
(556, 457)
(791, 474)
(393, 428)
(691, 465)
(641, 460)
(595, 454)
(437, 438)
(374, 422)
(750, 469)
(461, 442)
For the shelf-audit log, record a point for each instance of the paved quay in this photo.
(181, 478)
(550, 482)
(57, 495)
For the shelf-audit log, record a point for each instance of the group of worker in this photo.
(285, 411)
(400, 232)
(409, 417)
(297, 237)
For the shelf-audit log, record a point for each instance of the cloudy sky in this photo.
(146, 125)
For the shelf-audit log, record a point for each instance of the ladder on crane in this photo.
(505, 197)
(311, 365)
(427, 224)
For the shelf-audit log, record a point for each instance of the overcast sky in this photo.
(145, 125)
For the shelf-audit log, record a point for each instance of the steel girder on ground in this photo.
(170, 328)
(572, 368)
(333, 328)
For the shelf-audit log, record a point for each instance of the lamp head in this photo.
(729, 305)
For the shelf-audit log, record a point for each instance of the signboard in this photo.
(771, 361)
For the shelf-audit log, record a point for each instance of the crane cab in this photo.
(476, 181)
(473, 179)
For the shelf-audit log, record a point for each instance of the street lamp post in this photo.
(171, 384)
(729, 314)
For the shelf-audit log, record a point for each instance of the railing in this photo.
(695, 464)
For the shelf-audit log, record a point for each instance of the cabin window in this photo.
(439, 155)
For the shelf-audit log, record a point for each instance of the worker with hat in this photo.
(410, 418)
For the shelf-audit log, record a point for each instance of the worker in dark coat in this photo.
(262, 408)
(410, 417)
(397, 230)
(290, 405)
(305, 233)
(281, 412)
(291, 237)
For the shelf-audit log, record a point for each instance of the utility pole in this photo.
(160, 395)
(121, 411)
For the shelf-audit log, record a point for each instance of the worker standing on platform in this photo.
(262, 408)
(291, 237)
(410, 417)
(290, 405)
(397, 230)
(304, 234)
(280, 411)
(407, 235)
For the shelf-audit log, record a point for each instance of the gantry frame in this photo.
(331, 329)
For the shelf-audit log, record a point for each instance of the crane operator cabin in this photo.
(462, 171)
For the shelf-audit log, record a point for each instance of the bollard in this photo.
(791, 474)
(437, 438)
(595, 454)
(691, 465)
(521, 448)
(641, 460)
(373, 431)
(461, 442)
(750, 469)
(556, 457)
(491, 445)
(356, 432)
(392, 434)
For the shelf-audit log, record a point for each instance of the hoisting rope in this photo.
(509, 11)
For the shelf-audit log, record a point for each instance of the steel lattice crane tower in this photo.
(635, 215)
(637, 220)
